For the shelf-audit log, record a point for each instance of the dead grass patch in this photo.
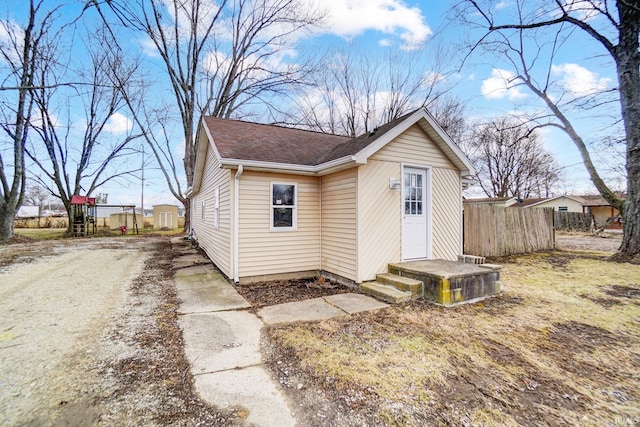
(543, 353)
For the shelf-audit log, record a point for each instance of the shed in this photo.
(125, 219)
(165, 216)
(272, 202)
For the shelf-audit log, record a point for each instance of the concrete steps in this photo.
(402, 283)
(384, 292)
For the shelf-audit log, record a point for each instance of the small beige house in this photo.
(272, 202)
(558, 203)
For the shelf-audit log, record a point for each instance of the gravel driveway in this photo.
(53, 311)
(89, 336)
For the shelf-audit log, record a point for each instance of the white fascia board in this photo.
(450, 144)
(365, 153)
(201, 156)
(257, 165)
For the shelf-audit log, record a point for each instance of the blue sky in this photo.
(380, 25)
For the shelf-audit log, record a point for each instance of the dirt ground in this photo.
(605, 242)
(89, 336)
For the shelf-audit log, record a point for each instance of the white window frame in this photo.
(294, 207)
(563, 208)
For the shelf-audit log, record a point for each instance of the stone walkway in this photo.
(222, 338)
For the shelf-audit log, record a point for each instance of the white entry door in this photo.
(414, 214)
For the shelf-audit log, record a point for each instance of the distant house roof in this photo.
(532, 202)
(507, 201)
(280, 149)
(596, 200)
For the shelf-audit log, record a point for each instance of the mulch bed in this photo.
(262, 294)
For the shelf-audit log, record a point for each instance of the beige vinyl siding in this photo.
(380, 218)
(215, 242)
(572, 205)
(446, 210)
(339, 224)
(413, 146)
(263, 251)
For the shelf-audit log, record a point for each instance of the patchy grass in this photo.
(560, 346)
(58, 233)
(40, 233)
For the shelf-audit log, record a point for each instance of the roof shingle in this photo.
(237, 139)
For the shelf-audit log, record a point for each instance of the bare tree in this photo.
(20, 52)
(221, 59)
(80, 158)
(510, 160)
(36, 195)
(358, 90)
(615, 26)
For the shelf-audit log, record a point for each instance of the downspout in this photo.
(236, 218)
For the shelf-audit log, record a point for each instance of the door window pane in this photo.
(413, 193)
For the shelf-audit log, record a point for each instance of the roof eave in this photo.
(444, 142)
(296, 169)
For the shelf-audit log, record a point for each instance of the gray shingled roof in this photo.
(235, 139)
(241, 140)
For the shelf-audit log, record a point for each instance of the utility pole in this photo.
(142, 189)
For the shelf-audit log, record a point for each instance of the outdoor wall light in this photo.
(394, 183)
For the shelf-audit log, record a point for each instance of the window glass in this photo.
(282, 217)
(283, 206)
(283, 194)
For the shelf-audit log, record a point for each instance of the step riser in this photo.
(385, 292)
(401, 283)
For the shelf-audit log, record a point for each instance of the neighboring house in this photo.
(272, 202)
(559, 203)
(495, 201)
(28, 212)
(601, 210)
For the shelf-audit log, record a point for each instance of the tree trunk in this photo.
(628, 69)
(7, 212)
(187, 215)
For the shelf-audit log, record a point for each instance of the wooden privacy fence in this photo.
(497, 231)
(573, 221)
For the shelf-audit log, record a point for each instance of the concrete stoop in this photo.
(402, 283)
(384, 292)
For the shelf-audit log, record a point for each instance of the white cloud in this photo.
(118, 124)
(432, 78)
(349, 18)
(11, 40)
(502, 5)
(501, 85)
(579, 81)
(584, 10)
(385, 42)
